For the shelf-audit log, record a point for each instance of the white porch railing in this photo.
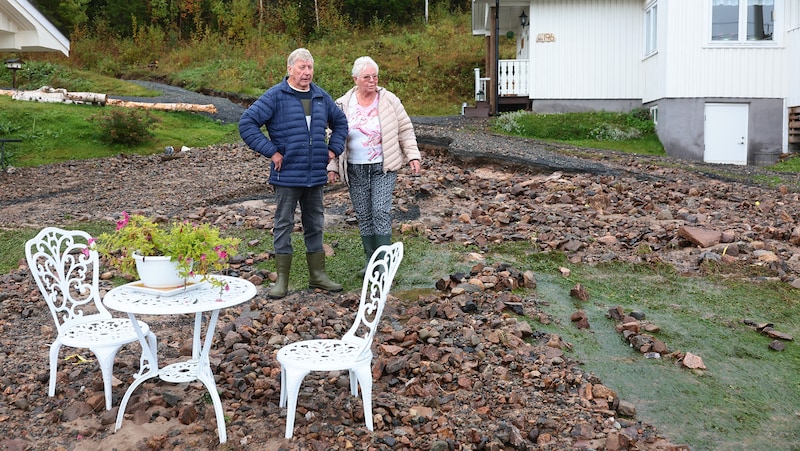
(513, 79)
(480, 86)
(513, 76)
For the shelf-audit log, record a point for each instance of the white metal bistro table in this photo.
(134, 299)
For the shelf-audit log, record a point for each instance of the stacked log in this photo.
(195, 108)
(58, 95)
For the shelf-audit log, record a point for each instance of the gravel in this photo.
(227, 111)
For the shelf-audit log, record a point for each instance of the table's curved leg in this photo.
(196, 336)
(204, 373)
(147, 362)
(148, 367)
(128, 393)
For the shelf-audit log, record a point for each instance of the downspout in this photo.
(496, 87)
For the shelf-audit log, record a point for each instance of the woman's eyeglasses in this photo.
(369, 77)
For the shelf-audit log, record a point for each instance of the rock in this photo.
(700, 236)
(693, 361)
(766, 256)
(637, 315)
(187, 414)
(97, 401)
(140, 415)
(529, 280)
(772, 333)
(77, 410)
(626, 409)
(580, 320)
(579, 292)
(777, 345)
(108, 417)
(602, 392)
(608, 240)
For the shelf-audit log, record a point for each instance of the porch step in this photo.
(481, 109)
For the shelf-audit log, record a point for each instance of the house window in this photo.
(651, 29)
(742, 20)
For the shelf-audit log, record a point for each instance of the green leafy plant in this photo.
(629, 132)
(125, 126)
(199, 249)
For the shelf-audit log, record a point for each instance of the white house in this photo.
(720, 76)
(24, 29)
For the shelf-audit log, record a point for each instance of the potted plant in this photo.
(194, 250)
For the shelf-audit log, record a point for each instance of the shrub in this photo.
(641, 119)
(611, 132)
(511, 122)
(38, 73)
(125, 126)
(591, 125)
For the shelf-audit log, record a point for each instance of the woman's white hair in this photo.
(363, 62)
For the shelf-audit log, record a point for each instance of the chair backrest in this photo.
(67, 273)
(378, 279)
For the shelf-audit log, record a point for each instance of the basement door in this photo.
(726, 133)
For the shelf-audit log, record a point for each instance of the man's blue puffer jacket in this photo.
(305, 153)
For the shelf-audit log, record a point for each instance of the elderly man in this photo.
(297, 114)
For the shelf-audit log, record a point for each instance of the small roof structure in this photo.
(509, 12)
(24, 29)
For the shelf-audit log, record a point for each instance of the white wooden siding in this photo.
(653, 65)
(793, 48)
(480, 19)
(596, 54)
(652, 81)
(792, 14)
(693, 67)
(793, 51)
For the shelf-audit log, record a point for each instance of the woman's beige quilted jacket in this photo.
(397, 134)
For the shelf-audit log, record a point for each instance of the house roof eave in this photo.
(509, 11)
(24, 29)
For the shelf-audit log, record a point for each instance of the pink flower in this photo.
(124, 221)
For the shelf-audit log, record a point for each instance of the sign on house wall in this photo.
(545, 37)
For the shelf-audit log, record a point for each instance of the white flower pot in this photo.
(158, 271)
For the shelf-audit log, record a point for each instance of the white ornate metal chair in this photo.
(353, 351)
(67, 274)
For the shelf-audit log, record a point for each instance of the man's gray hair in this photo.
(363, 62)
(300, 54)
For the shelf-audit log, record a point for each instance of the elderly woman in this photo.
(380, 140)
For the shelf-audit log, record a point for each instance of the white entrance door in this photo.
(726, 133)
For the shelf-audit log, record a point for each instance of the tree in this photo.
(363, 12)
(65, 15)
(119, 15)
